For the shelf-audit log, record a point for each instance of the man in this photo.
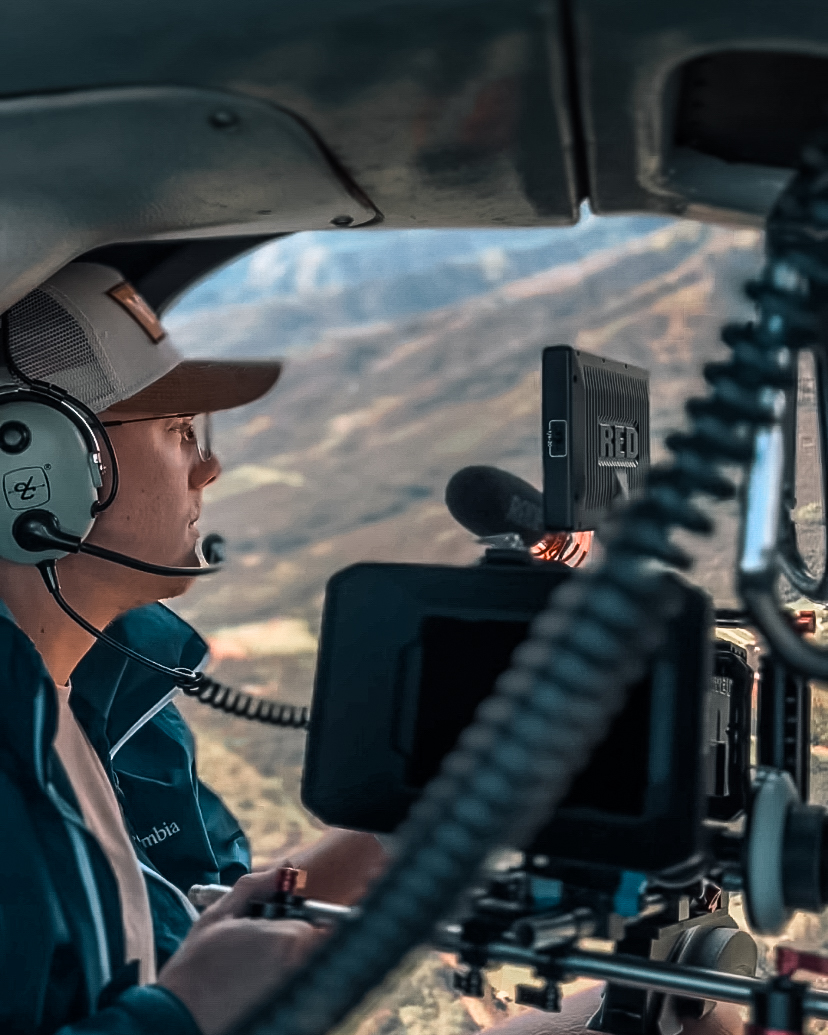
(82, 924)
(76, 926)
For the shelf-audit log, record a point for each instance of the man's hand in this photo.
(229, 963)
(340, 866)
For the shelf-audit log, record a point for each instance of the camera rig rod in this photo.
(619, 969)
(632, 971)
(636, 972)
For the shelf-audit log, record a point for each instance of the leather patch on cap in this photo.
(126, 295)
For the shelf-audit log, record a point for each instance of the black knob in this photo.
(14, 437)
(805, 858)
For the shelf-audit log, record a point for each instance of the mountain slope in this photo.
(349, 457)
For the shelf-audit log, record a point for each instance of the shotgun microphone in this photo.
(488, 502)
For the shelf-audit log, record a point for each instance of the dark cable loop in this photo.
(792, 563)
(246, 706)
(193, 684)
(529, 741)
(793, 304)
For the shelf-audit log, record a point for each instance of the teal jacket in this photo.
(62, 966)
(178, 824)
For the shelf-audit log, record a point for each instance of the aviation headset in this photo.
(51, 474)
(51, 471)
(52, 480)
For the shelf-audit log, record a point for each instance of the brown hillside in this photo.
(348, 461)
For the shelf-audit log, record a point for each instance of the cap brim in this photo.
(204, 386)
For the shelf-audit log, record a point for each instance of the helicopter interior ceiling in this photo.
(166, 138)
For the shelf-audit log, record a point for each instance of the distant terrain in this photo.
(349, 456)
(289, 295)
(348, 459)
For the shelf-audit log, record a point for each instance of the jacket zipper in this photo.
(74, 825)
(152, 712)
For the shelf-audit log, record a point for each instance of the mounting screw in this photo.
(223, 118)
(547, 997)
(342, 220)
(469, 982)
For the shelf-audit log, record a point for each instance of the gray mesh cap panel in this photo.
(48, 344)
(71, 332)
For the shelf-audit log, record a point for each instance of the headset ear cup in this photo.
(49, 462)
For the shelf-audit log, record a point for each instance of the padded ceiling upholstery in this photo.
(401, 112)
(698, 107)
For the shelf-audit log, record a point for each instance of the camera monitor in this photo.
(596, 422)
(393, 694)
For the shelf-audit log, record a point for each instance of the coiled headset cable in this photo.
(567, 680)
(194, 684)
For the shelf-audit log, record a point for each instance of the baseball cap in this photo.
(88, 331)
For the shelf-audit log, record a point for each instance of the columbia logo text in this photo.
(157, 836)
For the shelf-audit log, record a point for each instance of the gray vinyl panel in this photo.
(447, 113)
(86, 168)
(628, 59)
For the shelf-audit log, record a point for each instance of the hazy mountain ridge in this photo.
(307, 285)
(348, 461)
(349, 457)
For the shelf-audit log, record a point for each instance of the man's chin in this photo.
(175, 587)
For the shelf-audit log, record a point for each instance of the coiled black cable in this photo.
(236, 702)
(792, 297)
(791, 562)
(554, 705)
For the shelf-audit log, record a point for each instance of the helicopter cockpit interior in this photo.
(166, 140)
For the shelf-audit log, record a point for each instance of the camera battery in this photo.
(596, 436)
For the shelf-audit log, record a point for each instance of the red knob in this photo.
(789, 960)
(802, 621)
(289, 880)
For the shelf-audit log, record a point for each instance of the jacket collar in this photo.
(111, 693)
(28, 705)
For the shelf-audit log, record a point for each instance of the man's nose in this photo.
(205, 472)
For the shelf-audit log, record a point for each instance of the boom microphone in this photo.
(39, 529)
(488, 501)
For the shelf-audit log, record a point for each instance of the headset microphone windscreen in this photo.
(488, 501)
(213, 549)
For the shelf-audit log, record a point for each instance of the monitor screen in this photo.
(459, 664)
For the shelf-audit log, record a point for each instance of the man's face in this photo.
(154, 516)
